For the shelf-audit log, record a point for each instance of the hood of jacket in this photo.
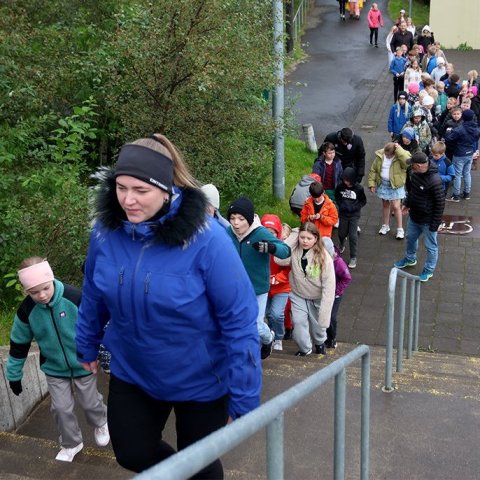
(256, 223)
(272, 221)
(184, 216)
(471, 128)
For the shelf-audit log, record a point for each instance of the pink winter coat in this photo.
(375, 19)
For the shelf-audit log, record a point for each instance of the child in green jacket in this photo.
(48, 315)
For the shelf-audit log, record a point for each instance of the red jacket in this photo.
(375, 19)
(328, 212)
(279, 282)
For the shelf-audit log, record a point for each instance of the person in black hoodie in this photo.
(349, 149)
(464, 141)
(350, 198)
(425, 202)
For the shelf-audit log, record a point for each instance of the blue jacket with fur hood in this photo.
(181, 307)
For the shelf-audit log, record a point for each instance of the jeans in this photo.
(275, 314)
(263, 329)
(136, 422)
(462, 166)
(414, 230)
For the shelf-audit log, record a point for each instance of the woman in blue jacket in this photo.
(182, 310)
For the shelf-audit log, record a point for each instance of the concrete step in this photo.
(427, 428)
(24, 457)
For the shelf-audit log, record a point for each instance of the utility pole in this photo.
(278, 101)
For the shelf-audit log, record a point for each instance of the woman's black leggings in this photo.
(342, 6)
(136, 422)
(374, 31)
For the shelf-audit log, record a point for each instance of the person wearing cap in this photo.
(350, 149)
(255, 244)
(418, 122)
(350, 198)
(182, 310)
(398, 115)
(279, 285)
(424, 203)
(343, 279)
(48, 315)
(408, 141)
(440, 70)
(213, 204)
(464, 142)
(426, 38)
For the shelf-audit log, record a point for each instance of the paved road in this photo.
(345, 82)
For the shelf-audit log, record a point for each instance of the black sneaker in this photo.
(320, 349)
(466, 196)
(266, 350)
(331, 343)
(303, 354)
(453, 198)
(288, 334)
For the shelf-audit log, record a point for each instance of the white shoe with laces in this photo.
(384, 229)
(102, 435)
(68, 454)
(400, 234)
(277, 345)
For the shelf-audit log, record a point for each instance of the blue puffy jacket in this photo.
(463, 139)
(181, 307)
(398, 117)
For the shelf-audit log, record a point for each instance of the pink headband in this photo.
(35, 275)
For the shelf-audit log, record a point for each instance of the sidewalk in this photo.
(345, 82)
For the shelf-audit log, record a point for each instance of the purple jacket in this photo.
(342, 274)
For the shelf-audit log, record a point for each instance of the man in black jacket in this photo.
(402, 37)
(350, 150)
(425, 203)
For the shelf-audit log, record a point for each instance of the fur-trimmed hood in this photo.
(185, 216)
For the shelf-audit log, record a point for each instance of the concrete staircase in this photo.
(429, 427)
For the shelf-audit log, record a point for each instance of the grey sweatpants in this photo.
(305, 321)
(62, 403)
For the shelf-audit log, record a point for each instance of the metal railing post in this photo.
(401, 324)
(411, 314)
(275, 460)
(339, 426)
(418, 286)
(365, 419)
(390, 319)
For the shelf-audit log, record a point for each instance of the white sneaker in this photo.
(102, 436)
(277, 345)
(67, 454)
(384, 230)
(352, 263)
(400, 234)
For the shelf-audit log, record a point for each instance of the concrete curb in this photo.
(14, 410)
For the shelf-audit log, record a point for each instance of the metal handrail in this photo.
(300, 17)
(413, 321)
(194, 458)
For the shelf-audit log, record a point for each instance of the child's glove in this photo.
(16, 387)
(264, 247)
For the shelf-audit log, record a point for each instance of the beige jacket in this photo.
(316, 284)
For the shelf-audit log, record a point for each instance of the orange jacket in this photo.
(328, 212)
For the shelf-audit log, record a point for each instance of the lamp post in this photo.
(278, 101)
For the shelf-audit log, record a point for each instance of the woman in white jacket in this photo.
(312, 279)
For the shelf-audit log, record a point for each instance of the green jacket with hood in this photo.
(53, 327)
(398, 168)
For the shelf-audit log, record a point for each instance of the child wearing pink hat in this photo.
(48, 314)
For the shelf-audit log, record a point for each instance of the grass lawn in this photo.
(298, 162)
(420, 11)
(6, 320)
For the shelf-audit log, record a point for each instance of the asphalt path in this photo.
(329, 88)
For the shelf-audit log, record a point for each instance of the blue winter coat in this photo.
(397, 118)
(445, 170)
(397, 65)
(463, 139)
(182, 309)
